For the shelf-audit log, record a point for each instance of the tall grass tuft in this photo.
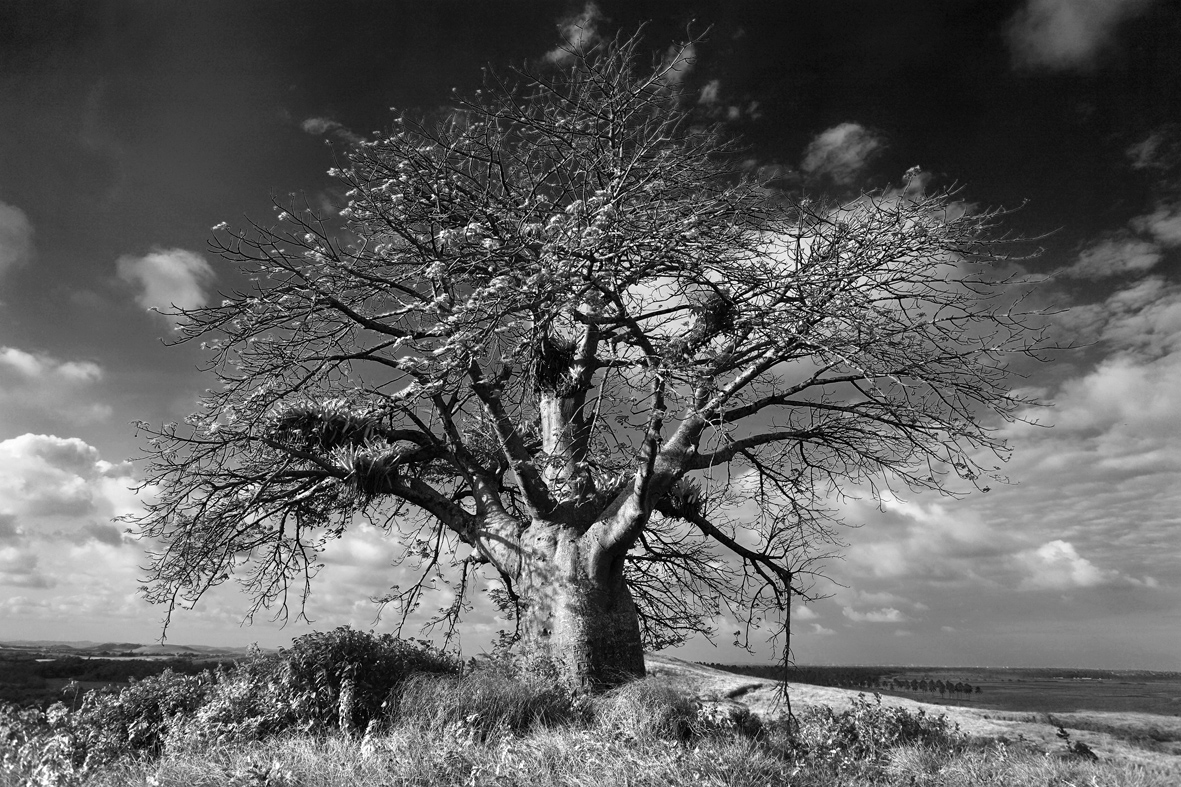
(482, 704)
(644, 710)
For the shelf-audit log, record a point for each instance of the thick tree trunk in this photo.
(579, 618)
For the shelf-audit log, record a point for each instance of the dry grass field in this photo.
(492, 728)
(1133, 737)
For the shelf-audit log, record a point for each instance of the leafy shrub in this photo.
(310, 675)
(866, 733)
(39, 747)
(483, 703)
(60, 747)
(265, 694)
(299, 689)
(242, 704)
(138, 718)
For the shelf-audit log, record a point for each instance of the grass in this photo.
(586, 758)
(492, 729)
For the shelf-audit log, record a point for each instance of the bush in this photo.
(866, 733)
(138, 718)
(59, 747)
(242, 704)
(311, 675)
(295, 690)
(39, 747)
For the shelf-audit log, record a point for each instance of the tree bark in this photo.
(578, 617)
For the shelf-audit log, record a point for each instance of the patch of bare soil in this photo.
(1137, 737)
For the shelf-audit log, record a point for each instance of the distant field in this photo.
(1008, 689)
(1159, 696)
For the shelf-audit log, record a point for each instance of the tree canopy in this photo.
(561, 330)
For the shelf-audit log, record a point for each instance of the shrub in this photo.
(866, 733)
(39, 747)
(243, 704)
(138, 718)
(310, 675)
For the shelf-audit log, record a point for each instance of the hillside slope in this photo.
(1140, 737)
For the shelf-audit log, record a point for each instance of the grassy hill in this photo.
(685, 724)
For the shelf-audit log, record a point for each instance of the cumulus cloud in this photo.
(167, 279)
(1115, 256)
(57, 497)
(579, 33)
(40, 366)
(711, 93)
(1057, 565)
(885, 615)
(800, 612)
(678, 62)
(36, 385)
(16, 237)
(1132, 252)
(47, 476)
(19, 568)
(841, 152)
(322, 126)
(1066, 34)
(1163, 224)
(319, 126)
(921, 540)
(1150, 152)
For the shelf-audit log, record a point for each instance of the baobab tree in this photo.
(562, 338)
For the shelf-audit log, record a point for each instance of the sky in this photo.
(129, 129)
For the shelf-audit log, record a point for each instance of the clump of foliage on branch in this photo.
(561, 336)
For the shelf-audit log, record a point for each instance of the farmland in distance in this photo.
(1014, 689)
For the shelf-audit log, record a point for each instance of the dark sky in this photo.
(128, 129)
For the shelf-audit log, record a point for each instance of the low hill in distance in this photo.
(1146, 738)
(87, 648)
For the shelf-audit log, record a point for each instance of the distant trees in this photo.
(856, 678)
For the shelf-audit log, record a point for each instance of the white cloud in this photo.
(36, 385)
(1124, 252)
(711, 94)
(1115, 256)
(1143, 319)
(321, 126)
(1066, 34)
(16, 237)
(1163, 224)
(33, 366)
(678, 62)
(579, 33)
(57, 497)
(1056, 565)
(42, 476)
(800, 612)
(841, 152)
(167, 278)
(885, 615)
(18, 568)
(1149, 152)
